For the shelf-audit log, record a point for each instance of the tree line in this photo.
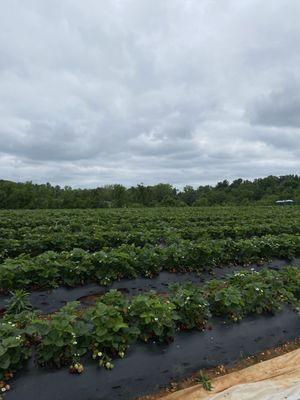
(262, 191)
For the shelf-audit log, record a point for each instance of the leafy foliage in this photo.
(262, 191)
(251, 292)
(191, 306)
(45, 249)
(62, 338)
(225, 299)
(205, 381)
(109, 332)
(106, 329)
(52, 269)
(14, 348)
(18, 302)
(154, 316)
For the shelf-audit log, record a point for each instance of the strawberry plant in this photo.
(76, 267)
(116, 299)
(290, 277)
(115, 264)
(263, 291)
(225, 299)
(191, 306)
(62, 339)
(14, 348)
(109, 332)
(154, 316)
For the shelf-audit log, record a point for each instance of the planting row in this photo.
(125, 219)
(93, 238)
(34, 232)
(105, 330)
(52, 269)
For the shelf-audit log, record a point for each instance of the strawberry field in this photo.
(45, 252)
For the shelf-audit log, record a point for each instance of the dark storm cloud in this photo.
(186, 92)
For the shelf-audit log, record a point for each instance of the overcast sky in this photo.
(127, 91)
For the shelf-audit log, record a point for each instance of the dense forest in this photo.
(263, 191)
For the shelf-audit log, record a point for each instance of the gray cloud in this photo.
(147, 91)
(279, 109)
